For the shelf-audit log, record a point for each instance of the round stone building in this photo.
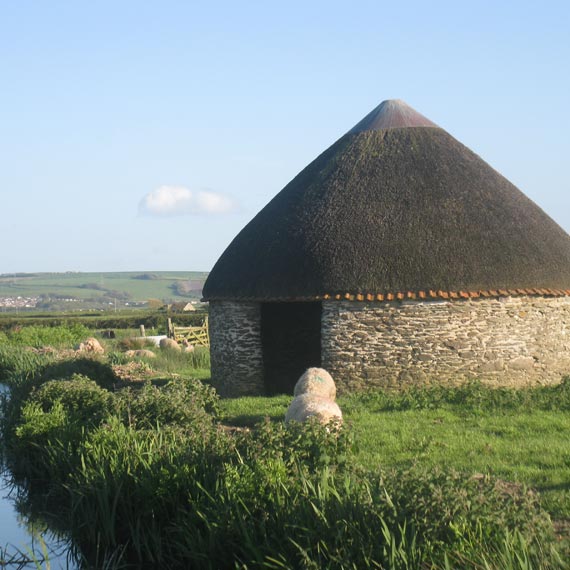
(397, 257)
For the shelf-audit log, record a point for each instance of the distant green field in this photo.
(124, 285)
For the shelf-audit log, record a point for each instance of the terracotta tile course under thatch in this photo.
(419, 295)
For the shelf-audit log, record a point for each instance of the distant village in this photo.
(19, 302)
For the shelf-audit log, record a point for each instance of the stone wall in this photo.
(510, 341)
(235, 348)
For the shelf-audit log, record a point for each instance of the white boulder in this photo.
(318, 382)
(91, 345)
(308, 406)
(169, 344)
(141, 353)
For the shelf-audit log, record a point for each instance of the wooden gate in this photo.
(197, 336)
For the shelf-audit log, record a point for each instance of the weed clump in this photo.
(62, 336)
(182, 402)
(470, 397)
(100, 372)
(18, 364)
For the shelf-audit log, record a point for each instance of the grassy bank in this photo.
(163, 473)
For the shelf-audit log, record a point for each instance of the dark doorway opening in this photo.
(291, 341)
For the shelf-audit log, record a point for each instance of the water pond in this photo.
(23, 541)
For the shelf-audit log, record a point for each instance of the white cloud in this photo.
(179, 201)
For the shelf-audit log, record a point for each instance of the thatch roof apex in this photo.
(391, 114)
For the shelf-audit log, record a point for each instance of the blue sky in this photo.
(115, 115)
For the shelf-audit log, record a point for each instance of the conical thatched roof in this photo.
(396, 207)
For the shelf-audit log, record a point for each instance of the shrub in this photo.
(26, 372)
(83, 400)
(309, 444)
(182, 402)
(446, 507)
(36, 423)
(44, 431)
(99, 372)
(43, 448)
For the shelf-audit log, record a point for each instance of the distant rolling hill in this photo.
(69, 290)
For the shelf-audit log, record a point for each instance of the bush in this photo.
(83, 400)
(43, 447)
(25, 372)
(446, 507)
(308, 444)
(37, 424)
(44, 431)
(99, 372)
(130, 319)
(182, 402)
